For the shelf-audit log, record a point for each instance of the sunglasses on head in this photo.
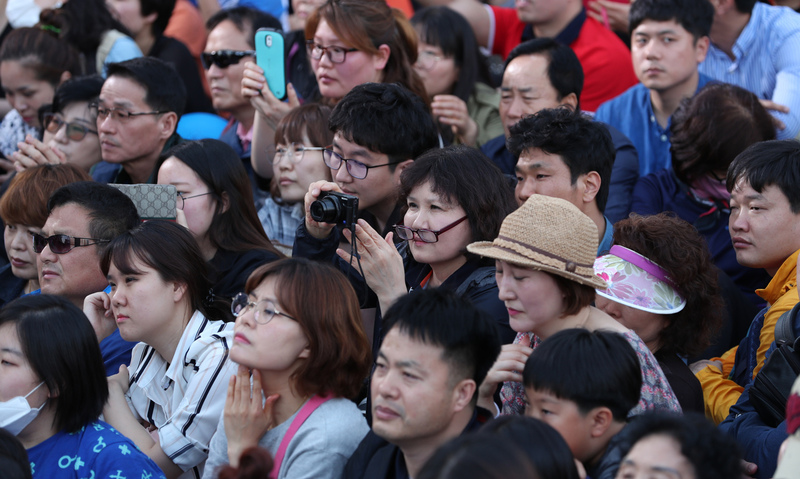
(224, 58)
(60, 244)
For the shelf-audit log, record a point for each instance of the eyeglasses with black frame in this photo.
(61, 244)
(294, 152)
(355, 168)
(224, 58)
(75, 131)
(265, 309)
(118, 114)
(425, 235)
(335, 54)
(181, 201)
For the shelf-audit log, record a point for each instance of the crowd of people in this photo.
(531, 239)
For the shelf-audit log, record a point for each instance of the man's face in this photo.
(763, 228)
(526, 89)
(540, 12)
(413, 398)
(76, 273)
(129, 13)
(226, 83)
(378, 191)
(665, 55)
(565, 417)
(132, 139)
(540, 173)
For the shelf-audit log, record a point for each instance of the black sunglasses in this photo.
(224, 58)
(60, 244)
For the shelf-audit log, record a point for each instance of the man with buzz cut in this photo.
(437, 350)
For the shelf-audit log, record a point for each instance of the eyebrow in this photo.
(525, 89)
(117, 103)
(629, 462)
(15, 352)
(534, 166)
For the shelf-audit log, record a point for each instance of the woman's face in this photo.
(17, 378)
(532, 298)
(24, 91)
(428, 210)
(302, 10)
(19, 246)
(656, 457)
(335, 80)
(438, 72)
(83, 153)
(199, 210)
(295, 177)
(277, 346)
(144, 305)
(647, 326)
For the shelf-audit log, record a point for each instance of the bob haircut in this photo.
(41, 52)
(368, 24)
(168, 248)
(710, 129)
(322, 301)
(61, 347)
(576, 295)
(309, 120)
(676, 246)
(590, 368)
(25, 200)
(449, 30)
(235, 226)
(542, 444)
(712, 453)
(77, 89)
(767, 163)
(481, 456)
(456, 173)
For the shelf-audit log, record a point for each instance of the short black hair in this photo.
(564, 70)
(712, 453)
(163, 10)
(111, 212)
(13, 457)
(467, 335)
(248, 20)
(86, 88)
(584, 145)
(164, 88)
(775, 162)
(62, 349)
(590, 368)
(745, 6)
(694, 16)
(386, 118)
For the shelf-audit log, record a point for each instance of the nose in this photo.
(504, 290)
(384, 386)
(525, 189)
(737, 221)
(46, 256)
(342, 175)
(60, 135)
(214, 71)
(610, 308)
(514, 111)
(18, 241)
(105, 125)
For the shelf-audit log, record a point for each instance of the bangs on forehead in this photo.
(124, 257)
(292, 130)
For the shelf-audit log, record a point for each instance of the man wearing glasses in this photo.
(137, 113)
(82, 217)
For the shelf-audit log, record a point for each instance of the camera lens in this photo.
(326, 210)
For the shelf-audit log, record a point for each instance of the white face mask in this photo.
(16, 414)
(22, 13)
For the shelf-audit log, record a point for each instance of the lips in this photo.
(284, 181)
(240, 338)
(18, 263)
(383, 413)
(512, 311)
(739, 242)
(121, 318)
(49, 274)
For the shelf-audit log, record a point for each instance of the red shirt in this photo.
(606, 61)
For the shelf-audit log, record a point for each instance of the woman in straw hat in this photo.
(544, 258)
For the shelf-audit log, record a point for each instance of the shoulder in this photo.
(373, 454)
(336, 424)
(595, 39)
(632, 97)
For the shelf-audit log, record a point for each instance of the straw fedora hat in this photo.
(548, 234)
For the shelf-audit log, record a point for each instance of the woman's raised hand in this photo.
(256, 89)
(452, 110)
(247, 415)
(33, 152)
(507, 367)
(97, 307)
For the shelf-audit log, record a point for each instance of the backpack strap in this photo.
(784, 329)
(309, 407)
(109, 38)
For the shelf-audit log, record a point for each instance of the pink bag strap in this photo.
(309, 407)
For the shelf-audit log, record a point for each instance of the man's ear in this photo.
(399, 169)
(64, 77)
(701, 49)
(591, 186)
(570, 101)
(601, 418)
(168, 123)
(463, 393)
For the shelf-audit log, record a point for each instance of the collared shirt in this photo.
(608, 236)
(632, 114)
(245, 136)
(280, 222)
(185, 396)
(766, 62)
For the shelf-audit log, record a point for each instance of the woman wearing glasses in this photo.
(70, 129)
(454, 196)
(23, 209)
(456, 76)
(215, 202)
(300, 138)
(298, 329)
(178, 373)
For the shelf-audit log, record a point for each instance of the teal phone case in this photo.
(270, 57)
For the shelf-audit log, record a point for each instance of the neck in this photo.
(207, 249)
(665, 102)
(382, 211)
(417, 454)
(614, 429)
(442, 271)
(550, 328)
(556, 26)
(145, 40)
(727, 28)
(593, 212)
(279, 382)
(245, 115)
(141, 168)
(166, 341)
(32, 285)
(40, 429)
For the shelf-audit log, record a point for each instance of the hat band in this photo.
(636, 259)
(569, 265)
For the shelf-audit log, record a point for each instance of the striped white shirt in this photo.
(185, 397)
(767, 62)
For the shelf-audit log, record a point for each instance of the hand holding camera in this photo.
(326, 206)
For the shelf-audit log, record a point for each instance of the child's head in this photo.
(299, 139)
(583, 383)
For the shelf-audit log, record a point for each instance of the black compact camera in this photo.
(335, 208)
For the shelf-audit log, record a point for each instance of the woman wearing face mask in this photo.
(52, 390)
(23, 209)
